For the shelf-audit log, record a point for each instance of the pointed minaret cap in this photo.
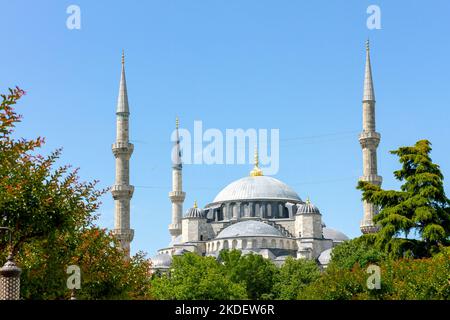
(122, 101)
(369, 93)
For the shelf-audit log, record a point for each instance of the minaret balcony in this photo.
(120, 148)
(122, 192)
(123, 235)
(372, 178)
(175, 229)
(177, 196)
(369, 228)
(369, 139)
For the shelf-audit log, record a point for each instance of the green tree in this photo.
(361, 250)
(52, 215)
(257, 273)
(193, 277)
(105, 274)
(421, 205)
(402, 279)
(293, 276)
(36, 202)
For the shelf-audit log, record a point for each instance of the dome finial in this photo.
(195, 204)
(256, 172)
(177, 123)
(308, 201)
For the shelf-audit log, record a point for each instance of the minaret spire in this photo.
(122, 149)
(369, 140)
(177, 195)
(369, 93)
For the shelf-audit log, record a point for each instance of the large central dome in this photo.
(259, 187)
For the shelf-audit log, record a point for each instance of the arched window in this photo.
(234, 244)
(264, 243)
(219, 213)
(273, 243)
(225, 244)
(285, 212)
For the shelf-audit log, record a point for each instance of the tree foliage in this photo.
(402, 279)
(361, 251)
(420, 206)
(36, 201)
(105, 274)
(193, 277)
(293, 276)
(257, 273)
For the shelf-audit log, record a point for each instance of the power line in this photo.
(327, 181)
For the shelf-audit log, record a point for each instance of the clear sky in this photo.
(296, 66)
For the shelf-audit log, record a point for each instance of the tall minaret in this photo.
(177, 195)
(369, 140)
(122, 191)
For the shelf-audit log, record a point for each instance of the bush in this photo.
(293, 277)
(193, 277)
(362, 251)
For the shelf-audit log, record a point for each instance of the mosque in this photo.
(255, 214)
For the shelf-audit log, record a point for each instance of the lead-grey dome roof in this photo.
(333, 234)
(260, 187)
(194, 213)
(250, 228)
(162, 260)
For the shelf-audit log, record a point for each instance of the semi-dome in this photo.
(161, 261)
(335, 235)
(257, 187)
(307, 208)
(250, 228)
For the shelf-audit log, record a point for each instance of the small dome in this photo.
(325, 257)
(257, 187)
(250, 228)
(335, 235)
(161, 261)
(195, 212)
(307, 207)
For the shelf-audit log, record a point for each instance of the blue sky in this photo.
(296, 66)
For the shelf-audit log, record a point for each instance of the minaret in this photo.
(177, 195)
(122, 191)
(369, 140)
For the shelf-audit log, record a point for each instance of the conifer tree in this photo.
(420, 207)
